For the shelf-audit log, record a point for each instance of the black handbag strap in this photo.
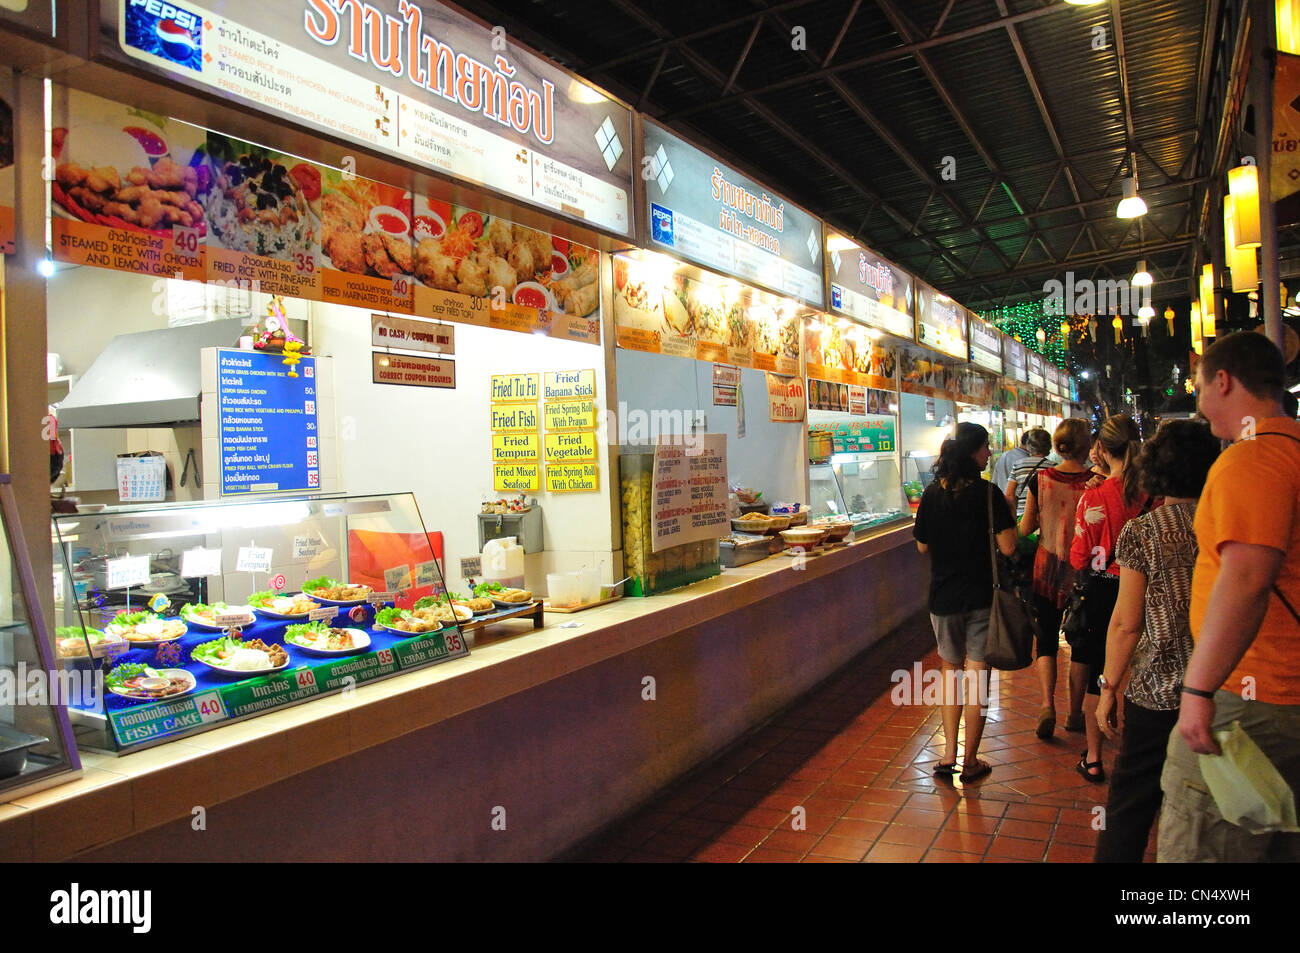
(1023, 488)
(993, 558)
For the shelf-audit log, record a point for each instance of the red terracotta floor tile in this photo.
(674, 845)
(1015, 847)
(865, 810)
(851, 849)
(936, 856)
(961, 840)
(1035, 830)
(764, 817)
(902, 834)
(800, 841)
(1070, 834)
(742, 834)
(918, 818)
(1060, 853)
(722, 813)
(895, 853)
(767, 856)
(1032, 812)
(973, 823)
(644, 857)
(821, 859)
(721, 853)
(857, 828)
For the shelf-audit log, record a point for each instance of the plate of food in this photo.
(512, 598)
(146, 627)
(261, 205)
(295, 606)
(479, 605)
(318, 638)
(409, 622)
(144, 684)
(205, 616)
(331, 592)
(231, 656)
(70, 642)
(437, 607)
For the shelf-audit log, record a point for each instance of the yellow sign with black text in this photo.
(571, 415)
(577, 447)
(514, 418)
(507, 388)
(515, 478)
(572, 478)
(515, 448)
(569, 385)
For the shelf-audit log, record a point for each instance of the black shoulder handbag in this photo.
(1074, 620)
(1012, 628)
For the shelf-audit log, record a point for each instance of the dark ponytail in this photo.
(1120, 438)
(956, 465)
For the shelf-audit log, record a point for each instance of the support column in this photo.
(1263, 63)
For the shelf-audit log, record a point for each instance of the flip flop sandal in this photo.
(976, 771)
(945, 770)
(1084, 767)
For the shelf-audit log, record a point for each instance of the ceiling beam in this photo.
(1057, 269)
(839, 37)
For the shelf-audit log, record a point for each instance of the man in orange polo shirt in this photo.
(1246, 664)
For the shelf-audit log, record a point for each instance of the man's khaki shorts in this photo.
(1191, 828)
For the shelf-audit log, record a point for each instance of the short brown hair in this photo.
(1252, 359)
(1072, 438)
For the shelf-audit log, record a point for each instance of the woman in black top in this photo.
(952, 526)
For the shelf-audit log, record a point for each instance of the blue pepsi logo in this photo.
(661, 224)
(165, 30)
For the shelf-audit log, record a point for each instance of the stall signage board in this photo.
(430, 647)
(1036, 369)
(572, 478)
(985, 345)
(689, 491)
(940, 322)
(1017, 360)
(863, 436)
(870, 289)
(355, 669)
(500, 118)
(508, 388)
(704, 212)
(514, 418)
(411, 334)
(270, 691)
(267, 423)
(579, 447)
(570, 415)
(142, 723)
(516, 448)
(412, 371)
(127, 571)
(200, 562)
(253, 559)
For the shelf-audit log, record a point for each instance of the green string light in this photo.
(1024, 321)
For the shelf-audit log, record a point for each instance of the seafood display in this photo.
(329, 591)
(413, 621)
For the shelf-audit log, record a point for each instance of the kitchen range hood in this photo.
(147, 379)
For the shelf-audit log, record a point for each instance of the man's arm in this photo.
(1233, 615)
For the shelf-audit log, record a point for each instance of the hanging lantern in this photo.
(1198, 343)
(1243, 190)
(1240, 259)
(1209, 306)
(1118, 325)
(1065, 334)
(1169, 320)
(1092, 329)
(1041, 335)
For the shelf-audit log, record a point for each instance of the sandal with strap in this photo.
(945, 770)
(1084, 767)
(973, 772)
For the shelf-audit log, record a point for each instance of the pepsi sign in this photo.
(165, 30)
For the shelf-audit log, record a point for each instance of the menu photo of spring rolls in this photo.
(263, 212)
(128, 187)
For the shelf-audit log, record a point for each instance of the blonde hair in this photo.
(1071, 439)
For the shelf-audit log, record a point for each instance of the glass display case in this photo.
(36, 747)
(864, 486)
(192, 615)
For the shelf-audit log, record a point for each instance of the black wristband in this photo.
(1188, 690)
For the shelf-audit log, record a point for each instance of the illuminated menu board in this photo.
(985, 345)
(868, 288)
(1015, 358)
(434, 87)
(1036, 369)
(702, 211)
(940, 322)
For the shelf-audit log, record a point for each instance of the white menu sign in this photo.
(421, 81)
(689, 500)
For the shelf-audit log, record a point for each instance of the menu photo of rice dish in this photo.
(263, 203)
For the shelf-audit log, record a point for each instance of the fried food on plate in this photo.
(433, 267)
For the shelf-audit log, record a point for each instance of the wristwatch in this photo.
(1104, 685)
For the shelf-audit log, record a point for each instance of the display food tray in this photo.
(585, 605)
(528, 609)
(732, 556)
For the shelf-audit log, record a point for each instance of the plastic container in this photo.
(503, 562)
(563, 589)
(589, 585)
(670, 568)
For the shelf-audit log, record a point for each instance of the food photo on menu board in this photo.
(117, 168)
(467, 252)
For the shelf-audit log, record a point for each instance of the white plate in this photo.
(360, 642)
(278, 615)
(194, 683)
(213, 627)
(335, 602)
(406, 635)
(133, 643)
(244, 673)
(502, 604)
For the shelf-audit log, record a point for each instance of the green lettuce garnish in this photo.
(117, 677)
(324, 582)
(261, 599)
(306, 632)
(487, 588)
(130, 619)
(207, 652)
(388, 616)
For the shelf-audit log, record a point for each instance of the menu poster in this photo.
(868, 288)
(128, 187)
(985, 345)
(689, 492)
(920, 374)
(1036, 369)
(864, 436)
(787, 399)
(474, 268)
(848, 355)
(661, 312)
(1016, 357)
(267, 424)
(434, 87)
(940, 322)
(976, 388)
(367, 257)
(849, 398)
(707, 213)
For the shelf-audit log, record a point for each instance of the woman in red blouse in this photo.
(1102, 513)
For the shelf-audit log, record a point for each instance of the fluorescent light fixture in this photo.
(1131, 205)
(1141, 277)
(839, 243)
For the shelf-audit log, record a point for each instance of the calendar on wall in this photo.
(142, 479)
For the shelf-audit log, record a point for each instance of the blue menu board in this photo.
(267, 421)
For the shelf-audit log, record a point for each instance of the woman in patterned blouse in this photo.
(1150, 640)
